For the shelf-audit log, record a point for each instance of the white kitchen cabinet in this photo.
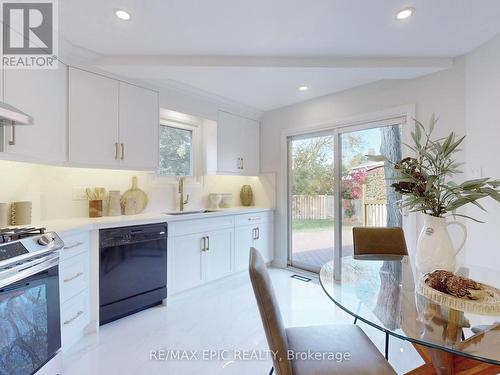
(218, 255)
(42, 94)
(111, 123)
(75, 316)
(264, 242)
(199, 258)
(243, 241)
(253, 230)
(74, 287)
(93, 119)
(237, 146)
(200, 251)
(258, 236)
(139, 127)
(185, 262)
(207, 249)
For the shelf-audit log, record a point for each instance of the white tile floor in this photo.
(220, 316)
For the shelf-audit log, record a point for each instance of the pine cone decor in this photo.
(447, 282)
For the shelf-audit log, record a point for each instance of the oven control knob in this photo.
(45, 239)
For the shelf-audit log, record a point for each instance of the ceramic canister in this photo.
(114, 206)
(20, 213)
(4, 215)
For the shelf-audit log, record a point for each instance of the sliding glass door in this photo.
(311, 198)
(334, 186)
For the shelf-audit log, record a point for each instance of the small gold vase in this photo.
(246, 195)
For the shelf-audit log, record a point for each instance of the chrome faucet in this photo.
(182, 202)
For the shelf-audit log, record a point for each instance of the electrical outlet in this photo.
(79, 194)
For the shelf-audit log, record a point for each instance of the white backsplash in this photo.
(50, 188)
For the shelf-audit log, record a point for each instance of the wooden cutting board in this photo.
(134, 200)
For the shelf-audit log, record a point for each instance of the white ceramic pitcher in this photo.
(434, 247)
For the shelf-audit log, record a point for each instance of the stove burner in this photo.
(13, 234)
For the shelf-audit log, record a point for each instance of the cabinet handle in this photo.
(241, 163)
(73, 277)
(78, 314)
(76, 244)
(203, 244)
(253, 219)
(116, 150)
(123, 151)
(208, 243)
(12, 141)
(253, 233)
(258, 233)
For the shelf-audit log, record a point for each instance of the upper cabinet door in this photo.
(228, 143)
(250, 133)
(41, 94)
(139, 127)
(93, 119)
(238, 142)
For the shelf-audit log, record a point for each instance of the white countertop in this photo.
(68, 226)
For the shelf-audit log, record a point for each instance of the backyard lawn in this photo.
(312, 224)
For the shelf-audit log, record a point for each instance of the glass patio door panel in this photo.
(333, 186)
(366, 196)
(311, 198)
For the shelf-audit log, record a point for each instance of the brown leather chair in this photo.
(378, 242)
(365, 359)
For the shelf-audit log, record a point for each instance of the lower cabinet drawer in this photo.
(75, 244)
(74, 319)
(186, 227)
(73, 276)
(254, 218)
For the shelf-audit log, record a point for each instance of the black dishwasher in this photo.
(132, 270)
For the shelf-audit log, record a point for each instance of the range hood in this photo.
(10, 115)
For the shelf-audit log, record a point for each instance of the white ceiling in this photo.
(287, 28)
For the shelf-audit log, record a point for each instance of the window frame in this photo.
(195, 152)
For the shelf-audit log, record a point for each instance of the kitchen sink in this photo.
(190, 212)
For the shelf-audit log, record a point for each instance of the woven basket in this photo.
(488, 302)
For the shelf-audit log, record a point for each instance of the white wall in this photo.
(50, 188)
(442, 93)
(482, 145)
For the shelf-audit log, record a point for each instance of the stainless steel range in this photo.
(29, 299)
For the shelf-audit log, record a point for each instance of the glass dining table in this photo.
(383, 292)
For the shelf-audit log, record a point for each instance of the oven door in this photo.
(30, 332)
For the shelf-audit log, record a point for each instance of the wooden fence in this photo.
(321, 207)
(375, 214)
(313, 207)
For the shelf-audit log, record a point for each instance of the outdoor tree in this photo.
(391, 147)
(312, 164)
(175, 151)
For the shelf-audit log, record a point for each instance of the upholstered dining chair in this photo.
(365, 359)
(377, 243)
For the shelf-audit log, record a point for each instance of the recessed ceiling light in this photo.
(303, 88)
(123, 15)
(405, 13)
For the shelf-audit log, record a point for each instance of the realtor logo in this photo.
(29, 40)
